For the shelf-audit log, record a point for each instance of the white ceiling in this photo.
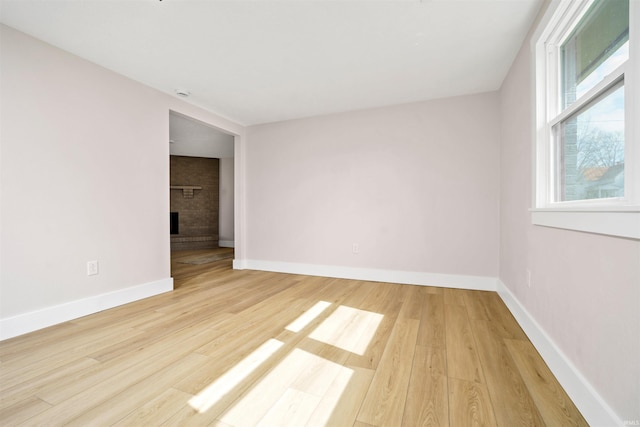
(264, 61)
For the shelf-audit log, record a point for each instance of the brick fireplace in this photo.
(194, 194)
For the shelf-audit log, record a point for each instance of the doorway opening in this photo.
(202, 194)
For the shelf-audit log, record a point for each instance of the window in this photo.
(587, 162)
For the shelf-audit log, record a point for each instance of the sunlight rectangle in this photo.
(348, 328)
(300, 383)
(325, 410)
(307, 317)
(220, 387)
(293, 409)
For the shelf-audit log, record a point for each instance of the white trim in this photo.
(239, 210)
(226, 244)
(621, 223)
(238, 264)
(34, 320)
(482, 283)
(592, 406)
(606, 86)
(600, 216)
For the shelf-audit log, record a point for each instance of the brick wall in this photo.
(198, 212)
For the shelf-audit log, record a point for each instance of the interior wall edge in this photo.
(592, 406)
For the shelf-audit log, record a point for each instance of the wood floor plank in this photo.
(157, 410)
(254, 403)
(24, 390)
(427, 397)
(75, 340)
(326, 351)
(551, 400)
(184, 322)
(239, 342)
(20, 345)
(317, 376)
(469, 404)
(454, 296)
(381, 300)
(340, 404)
(504, 382)
(19, 372)
(413, 303)
(476, 307)
(16, 348)
(225, 358)
(384, 402)
(348, 328)
(223, 296)
(293, 409)
(341, 292)
(117, 374)
(361, 293)
(462, 357)
(432, 327)
(483, 305)
(248, 304)
(183, 273)
(22, 411)
(124, 316)
(187, 416)
(81, 400)
(141, 393)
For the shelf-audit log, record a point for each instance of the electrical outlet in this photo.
(356, 248)
(528, 278)
(92, 268)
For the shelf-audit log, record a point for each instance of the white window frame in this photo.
(613, 216)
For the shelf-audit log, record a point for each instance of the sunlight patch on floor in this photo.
(307, 317)
(220, 387)
(348, 328)
(303, 387)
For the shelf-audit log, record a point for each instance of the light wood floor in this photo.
(225, 343)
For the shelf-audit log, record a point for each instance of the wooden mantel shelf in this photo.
(187, 190)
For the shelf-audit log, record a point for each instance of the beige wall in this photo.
(84, 176)
(585, 290)
(416, 186)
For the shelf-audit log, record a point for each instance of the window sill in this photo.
(620, 222)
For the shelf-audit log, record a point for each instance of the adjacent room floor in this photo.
(245, 348)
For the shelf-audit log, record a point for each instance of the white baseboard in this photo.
(226, 243)
(594, 409)
(482, 283)
(34, 320)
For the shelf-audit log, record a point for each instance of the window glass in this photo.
(586, 172)
(596, 47)
(590, 150)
